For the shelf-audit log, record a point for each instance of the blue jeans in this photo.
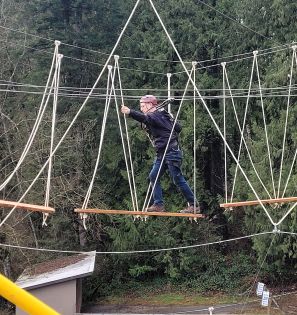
(172, 162)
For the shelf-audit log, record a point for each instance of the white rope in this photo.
(225, 136)
(194, 64)
(243, 124)
(294, 159)
(290, 173)
(137, 251)
(80, 89)
(286, 214)
(289, 233)
(169, 91)
(77, 114)
(286, 120)
(124, 146)
(134, 192)
(146, 59)
(227, 62)
(44, 219)
(103, 126)
(242, 139)
(134, 97)
(55, 103)
(40, 114)
(82, 92)
(265, 126)
(146, 202)
(207, 109)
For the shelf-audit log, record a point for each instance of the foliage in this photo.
(200, 33)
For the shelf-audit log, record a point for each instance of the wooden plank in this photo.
(25, 206)
(256, 202)
(141, 213)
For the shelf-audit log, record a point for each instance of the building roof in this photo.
(58, 270)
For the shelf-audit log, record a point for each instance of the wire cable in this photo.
(135, 251)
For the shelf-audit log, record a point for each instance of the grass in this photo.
(170, 298)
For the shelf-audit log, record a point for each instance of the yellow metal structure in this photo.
(22, 299)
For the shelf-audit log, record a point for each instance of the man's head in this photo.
(148, 103)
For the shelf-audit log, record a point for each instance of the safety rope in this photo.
(55, 103)
(126, 157)
(286, 120)
(140, 251)
(169, 91)
(194, 64)
(242, 140)
(110, 77)
(208, 111)
(266, 50)
(134, 192)
(265, 125)
(225, 136)
(42, 108)
(77, 114)
(286, 123)
(147, 200)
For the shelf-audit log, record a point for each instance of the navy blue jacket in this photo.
(159, 125)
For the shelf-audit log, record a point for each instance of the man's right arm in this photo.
(139, 116)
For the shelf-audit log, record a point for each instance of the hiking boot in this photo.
(190, 209)
(156, 208)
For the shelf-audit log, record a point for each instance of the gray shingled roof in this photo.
(58, 270)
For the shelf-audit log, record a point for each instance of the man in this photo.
(158, 124)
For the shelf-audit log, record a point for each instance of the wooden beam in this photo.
(141, 213)
(25, 206)
(256, 202)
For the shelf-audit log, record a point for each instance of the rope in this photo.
(107, 105)
(243, 124)
(141, 58)
(225, 136)
(79, 89)
(234, 20)
(169, 92)
(134, 192)
(294, 159)
(265, 126)
(194, 64)
(242, 139)
(78, 95)
(124, 147)
(231, 61)
(77, 114)
(40, 114)
(55, 102)
(286, 214)
(146, 202)
(208, 111)
(286, 120)
(136, 251)
(81, 92)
